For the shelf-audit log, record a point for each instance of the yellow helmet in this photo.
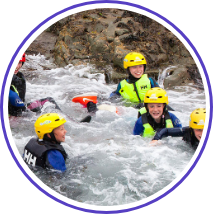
(197, 118)
(156, 95)
(46, 123)
(132, 59)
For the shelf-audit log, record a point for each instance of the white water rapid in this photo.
(107, 165)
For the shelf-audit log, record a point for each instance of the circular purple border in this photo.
(91, 3)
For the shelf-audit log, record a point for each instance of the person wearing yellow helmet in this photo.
(137, 84)
(132, 89)
(155, 115)
(191, 134)
(46, 150)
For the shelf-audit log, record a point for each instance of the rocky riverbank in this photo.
(104, 36)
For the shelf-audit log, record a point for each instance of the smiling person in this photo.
(137, 84)
(46, 151)
(155, 115)
(191, 134)
(132, 89)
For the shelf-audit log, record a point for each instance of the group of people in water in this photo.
(154, 118)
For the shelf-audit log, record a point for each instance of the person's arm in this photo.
(138, 129)
(153, 83)
(116, 93)
(165, 132)
(176, 122)
(55, 160)
(15, 100)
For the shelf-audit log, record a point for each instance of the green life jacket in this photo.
(142, 110)
(135, 92)
(148, 129)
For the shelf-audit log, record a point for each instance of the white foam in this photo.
(107, 165)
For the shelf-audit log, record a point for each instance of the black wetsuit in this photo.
(18, 83)
(186, 132)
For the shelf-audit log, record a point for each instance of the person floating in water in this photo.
(46, 150)
(138, 83)
(191, 134)
(155, 115)
(132, 89)
(17, 94)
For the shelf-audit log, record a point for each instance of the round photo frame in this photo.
(115, 3)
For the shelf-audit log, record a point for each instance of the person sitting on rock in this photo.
(46, 151)
(191, 134)
(155, 115)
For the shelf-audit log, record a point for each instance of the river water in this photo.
(107, 165)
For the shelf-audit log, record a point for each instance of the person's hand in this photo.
(155, 143)
(91, 107)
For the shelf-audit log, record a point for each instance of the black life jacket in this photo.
(35, 152)
(19, 82)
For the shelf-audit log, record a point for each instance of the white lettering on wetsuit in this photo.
(28, 158)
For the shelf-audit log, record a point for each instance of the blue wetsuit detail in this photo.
(15, 100)
(56, 160)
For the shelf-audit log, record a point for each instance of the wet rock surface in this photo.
(107, 35)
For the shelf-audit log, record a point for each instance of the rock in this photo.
(128, 38)
(107, 35)
(43, 44)
(153, 73)
(116, 77)
(124, 25)
(195, 76)
(119, 54)
(119, 32)
(179, 76)
(109, 32)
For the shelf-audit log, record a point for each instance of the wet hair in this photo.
(51, 139)
(163, 120)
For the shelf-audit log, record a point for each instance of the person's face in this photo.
(60, 133)
(198, 133)
(156, 110)
(137, 71)
(18, 67)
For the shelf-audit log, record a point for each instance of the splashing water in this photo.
(163, 75)
(107, 165)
